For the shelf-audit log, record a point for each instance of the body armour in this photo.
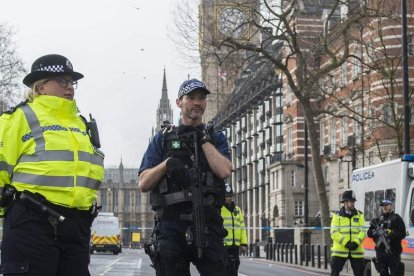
(177, 143)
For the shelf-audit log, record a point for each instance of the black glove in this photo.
(175, 170)
(203, 136)
(351, 245)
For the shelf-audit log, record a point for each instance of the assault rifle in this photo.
(197, 233)
(381, 236)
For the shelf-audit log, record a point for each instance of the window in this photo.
(387, 114)
(322, 135)
(357, 128)
(299, 208)
(332, 135)
(372, 207)
(293, 178)
(357, 68)
(289, 144)
(340, 168)
(344, 129)
(343, 79)
(326, 175)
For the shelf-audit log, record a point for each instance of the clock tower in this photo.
(220, 66)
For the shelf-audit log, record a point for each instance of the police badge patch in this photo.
(175, 144)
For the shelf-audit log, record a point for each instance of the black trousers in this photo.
(31, 246)
(337, 264)
(389, 264)
(175, 254)
(233, 260)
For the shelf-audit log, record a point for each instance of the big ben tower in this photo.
(221, 19)
(164, 110)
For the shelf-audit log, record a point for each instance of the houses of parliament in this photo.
(119, 191)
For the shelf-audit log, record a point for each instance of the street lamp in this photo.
(348, 159)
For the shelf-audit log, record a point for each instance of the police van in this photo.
(106, 234)
(392, 180)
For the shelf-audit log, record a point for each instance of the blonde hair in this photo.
(33, 91)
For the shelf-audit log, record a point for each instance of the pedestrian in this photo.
(167, 171)
(49, 174)
(388, 230)
(347, 233)
(236, 239)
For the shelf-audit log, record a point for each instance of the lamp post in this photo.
(347, 159)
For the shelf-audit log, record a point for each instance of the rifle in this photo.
(197, 235)
(381, 237)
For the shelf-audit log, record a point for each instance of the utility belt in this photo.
(38, 202)
(183, 212)
(158, 200)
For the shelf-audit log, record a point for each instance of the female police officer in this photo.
(49, 172)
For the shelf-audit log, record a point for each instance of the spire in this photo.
(164, 96)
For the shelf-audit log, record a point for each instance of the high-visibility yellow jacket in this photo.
(234, 224)
(347, 228)
(44, 148)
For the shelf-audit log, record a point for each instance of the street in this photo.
(133, 262)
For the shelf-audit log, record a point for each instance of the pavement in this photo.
(309, 268)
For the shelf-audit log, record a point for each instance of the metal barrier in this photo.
(288, 253)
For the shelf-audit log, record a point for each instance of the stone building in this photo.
(265, 125)
(119, 191)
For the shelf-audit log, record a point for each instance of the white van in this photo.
(106, 234)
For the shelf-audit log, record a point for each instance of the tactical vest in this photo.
(178, 142)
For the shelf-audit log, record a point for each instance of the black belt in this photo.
(64, 211)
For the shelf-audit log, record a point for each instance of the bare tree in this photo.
(11, 68)
(319, 37)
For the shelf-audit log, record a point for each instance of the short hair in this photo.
(33, 91)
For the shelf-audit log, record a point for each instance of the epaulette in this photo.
(14, 108)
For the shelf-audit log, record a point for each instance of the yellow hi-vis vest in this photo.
(234, 224)
(346, 229)
(44, 148)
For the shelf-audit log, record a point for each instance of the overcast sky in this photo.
(121, 46)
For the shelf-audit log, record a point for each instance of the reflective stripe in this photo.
(357, 253)
(43, 180)
(231, 240)
(61, 155)
(82, 181)
(56, 181)
(48, 155)
(35, 128)
(340, 252)
(91, 158)
(6, 167)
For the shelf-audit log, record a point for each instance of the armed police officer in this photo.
(347, 233)
(236, 239)
(50, 170)
(184, 168)
(388, 230)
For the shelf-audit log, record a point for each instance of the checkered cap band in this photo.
(189, 86)
(51, 68)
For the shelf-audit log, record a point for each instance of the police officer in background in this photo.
(165, 172)
(388, 230)
(50, 170)
(236, 239)
(347, 233)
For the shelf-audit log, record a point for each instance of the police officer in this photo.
(236, 239)
(49, 174)
(347, 233)
(165, 172)
(388, 230)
